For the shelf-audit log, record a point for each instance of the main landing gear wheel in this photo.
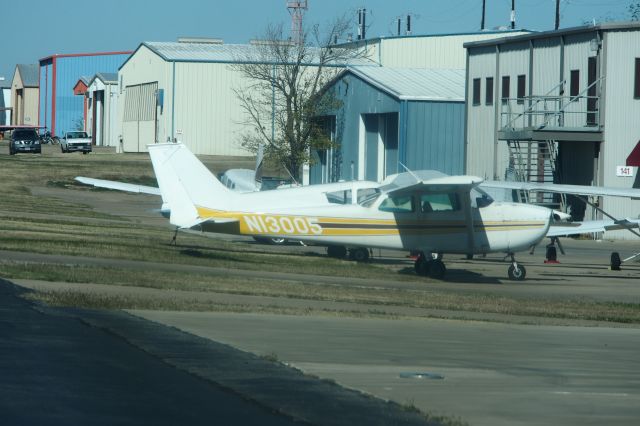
(360, 254)
(338, 252)
(428, 266)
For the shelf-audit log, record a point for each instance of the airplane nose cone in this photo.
(534, 225)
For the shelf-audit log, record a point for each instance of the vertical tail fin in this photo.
(186, 184)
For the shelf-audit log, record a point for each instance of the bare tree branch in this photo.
(285, 91)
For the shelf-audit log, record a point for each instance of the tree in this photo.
(634, 10)
(284, 92)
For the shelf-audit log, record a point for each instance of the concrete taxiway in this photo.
(486, 373)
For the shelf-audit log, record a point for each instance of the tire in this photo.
(360, 254)
(422, 267)
(337, 252)
(437, 269)
(275, 241)
(517, 274)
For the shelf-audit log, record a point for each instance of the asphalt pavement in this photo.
(486, 373)
(72, 366)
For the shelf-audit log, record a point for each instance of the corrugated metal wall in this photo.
(577, 50)
(435, 136)
(546, 66)
(208, 116)
(481, 118)
(144, 67)
(622, 124)
(445, 51)
(358, 98)
(69, 107)
(434, 130)
(46, 93)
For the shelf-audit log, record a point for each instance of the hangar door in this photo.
(379, 146)
(139, 127)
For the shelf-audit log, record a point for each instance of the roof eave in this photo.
(554, 33)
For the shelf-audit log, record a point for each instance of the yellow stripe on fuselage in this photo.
(297, 225)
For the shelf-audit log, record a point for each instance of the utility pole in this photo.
(513, 14)
(484, 3)
(557, 14)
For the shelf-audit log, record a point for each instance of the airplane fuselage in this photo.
(499, 227)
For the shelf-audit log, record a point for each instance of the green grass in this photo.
(380, 300)
(51, 225)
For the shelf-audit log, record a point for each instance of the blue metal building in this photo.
(393, 116)
(59, 108)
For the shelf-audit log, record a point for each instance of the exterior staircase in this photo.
(535, 161)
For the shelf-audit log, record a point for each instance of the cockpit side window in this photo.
(400, 204)
(439, 202)
(480, 198)
(367, 196)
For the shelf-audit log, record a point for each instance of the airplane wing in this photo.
(119, 186)
(577, 228)
(446, 183)
(632, 193)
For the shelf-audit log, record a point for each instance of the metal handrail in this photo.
(560, 111)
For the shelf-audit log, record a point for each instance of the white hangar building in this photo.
(560, 106)
(184, 91)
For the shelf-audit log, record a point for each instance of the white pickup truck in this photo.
(75, 141)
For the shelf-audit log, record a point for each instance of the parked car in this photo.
(75, 141)
(25, 140)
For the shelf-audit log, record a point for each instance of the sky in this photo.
(74, 26)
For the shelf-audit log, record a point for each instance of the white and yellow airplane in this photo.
(425, 211)
(442, 215)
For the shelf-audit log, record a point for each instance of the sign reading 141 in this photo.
(624, 171)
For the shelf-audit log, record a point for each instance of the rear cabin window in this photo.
(339, 197)
(401, 204)
(439, 202)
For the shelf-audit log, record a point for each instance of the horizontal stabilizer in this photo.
(119, 186)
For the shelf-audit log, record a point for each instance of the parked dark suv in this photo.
(25, 140)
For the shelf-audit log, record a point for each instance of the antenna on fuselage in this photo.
(410, 172)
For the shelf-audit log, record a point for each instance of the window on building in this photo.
(476, 91)
(488, 98)
(574, 85)
(506, 83)
(636, 88)
(522, 89)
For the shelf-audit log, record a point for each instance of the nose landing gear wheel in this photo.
(516, 272)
